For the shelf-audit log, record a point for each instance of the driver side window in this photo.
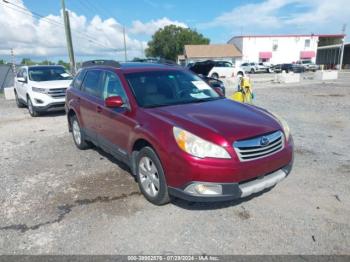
(112, 86)
(25, 74)
(20, 73)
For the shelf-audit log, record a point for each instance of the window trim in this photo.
(127, 102)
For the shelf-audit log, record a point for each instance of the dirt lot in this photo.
(56, 199)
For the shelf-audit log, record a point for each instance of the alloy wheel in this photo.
(76, 132)
(30, 106)
(149, 177)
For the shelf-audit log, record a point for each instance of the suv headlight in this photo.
(284, 125)
(197, 146)
(39, 90)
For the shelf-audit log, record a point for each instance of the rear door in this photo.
(90, 102)
(114, 124)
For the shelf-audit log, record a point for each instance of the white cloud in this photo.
(149, 28)
(45, 37)
(316, 16)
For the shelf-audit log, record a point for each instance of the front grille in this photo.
(259, 147)
(57, 92)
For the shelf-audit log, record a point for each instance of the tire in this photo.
(215, 75)
(78, 135)
(150, 177)
(31, 108)
(19, 104)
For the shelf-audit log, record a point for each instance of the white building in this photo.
(277, 49)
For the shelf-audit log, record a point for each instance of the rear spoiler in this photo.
(110, 63)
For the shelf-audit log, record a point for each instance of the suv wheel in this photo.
(150, 177)
(78, 135)
(215, 75)
(31, 108)
(18, 102)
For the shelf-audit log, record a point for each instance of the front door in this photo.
(22, 86)
(115, 125)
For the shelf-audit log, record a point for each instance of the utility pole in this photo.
(68, 38)
(125, 54)
(342, 48)
(13, 61)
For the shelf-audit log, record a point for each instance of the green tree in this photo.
(2, 62)
(65, 64)
(46, 62)
(27, 61)
(169, 42)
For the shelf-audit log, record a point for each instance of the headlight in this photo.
(284, 125)
(197, 146)
(39, 90)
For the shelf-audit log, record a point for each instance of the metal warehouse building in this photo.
(6, 76)
(329, 55)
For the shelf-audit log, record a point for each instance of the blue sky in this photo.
(191, 12)
(102, 21)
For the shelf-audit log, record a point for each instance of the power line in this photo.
(52, 22)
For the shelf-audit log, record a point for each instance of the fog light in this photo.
(38, 101)
(204, 189)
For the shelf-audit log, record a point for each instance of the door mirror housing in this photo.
(219, 91)
(114, 102)
(22, 79)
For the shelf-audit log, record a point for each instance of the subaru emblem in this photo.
(264, 141)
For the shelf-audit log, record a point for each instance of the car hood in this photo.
(52, 84)
(223, 117)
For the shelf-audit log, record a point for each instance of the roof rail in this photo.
(166, 61)
(111, 63)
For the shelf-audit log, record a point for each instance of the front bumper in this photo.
(231, 191)
(58, 106)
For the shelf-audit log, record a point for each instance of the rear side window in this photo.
(79, 79)
(92, 83)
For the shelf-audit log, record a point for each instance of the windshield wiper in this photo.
(207, 99)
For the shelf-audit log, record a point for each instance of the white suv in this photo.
(41, 88)
(216, 69)
(255, 68)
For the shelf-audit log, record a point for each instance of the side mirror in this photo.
(114, 102)
(219, 91)
(22, 79)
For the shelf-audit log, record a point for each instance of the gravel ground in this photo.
(55, 199)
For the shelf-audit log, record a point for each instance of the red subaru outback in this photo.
(179, 137)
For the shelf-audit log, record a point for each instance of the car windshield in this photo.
(165, 88)
(40, 74)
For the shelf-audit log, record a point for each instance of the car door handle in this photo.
(98, 109)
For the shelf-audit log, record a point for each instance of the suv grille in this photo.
(57, 92)
(259, 147)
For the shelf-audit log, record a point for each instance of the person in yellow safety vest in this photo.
(244, 94)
